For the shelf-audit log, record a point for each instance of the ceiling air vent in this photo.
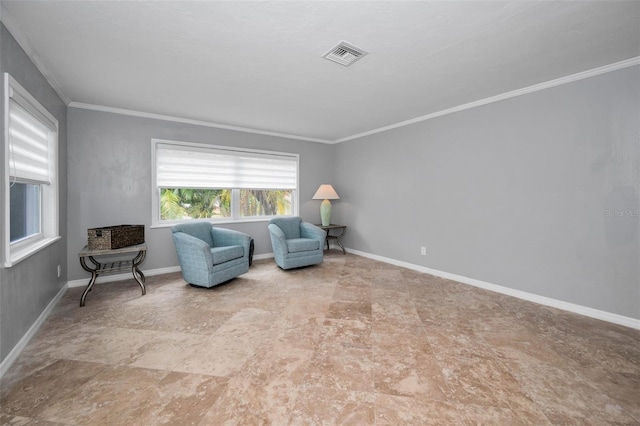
(345, 53)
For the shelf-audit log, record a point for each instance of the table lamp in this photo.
(326, 193)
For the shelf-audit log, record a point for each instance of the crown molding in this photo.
(16, 32)
(153, 116)
(24, 43)
(524, 91)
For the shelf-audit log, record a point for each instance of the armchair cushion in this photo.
(295, 245)
(224, 254)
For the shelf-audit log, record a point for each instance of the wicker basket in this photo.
(113, 237)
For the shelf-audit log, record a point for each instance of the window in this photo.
(24, 210)
(30, 175)
(197, 181)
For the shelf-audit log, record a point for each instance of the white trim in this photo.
(50, 195)
(6, 197)
(19, 347)
(524, 91)
(148, 273)
(25, 44)
(23, 41)
(570, 307)
(519, 92)
(153, 116)
(18, 256)
(121, 277)
(263, 256)
(224, 221)
(541, 300)
(535, 88)
(156, 222)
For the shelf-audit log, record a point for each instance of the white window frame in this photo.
(156, 222)
(14, 253)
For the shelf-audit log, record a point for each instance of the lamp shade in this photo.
(326, 192)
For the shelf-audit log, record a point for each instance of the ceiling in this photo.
(259, 65)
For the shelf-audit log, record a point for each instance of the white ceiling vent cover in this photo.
(344, 53)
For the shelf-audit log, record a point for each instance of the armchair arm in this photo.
(307, 230)
(278, 240)
(192, 251)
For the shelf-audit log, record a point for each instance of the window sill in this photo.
(214, 222)
(18, 256)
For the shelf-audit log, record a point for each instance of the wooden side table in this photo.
(105, 268)
(336, 237)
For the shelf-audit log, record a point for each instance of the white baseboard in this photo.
(125, 276)
(542, 300)
(148, 273)
(566, 306)
(262, 256)
(17, 349)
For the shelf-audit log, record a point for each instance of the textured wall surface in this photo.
(27, 288)
(110, 177)
(537, 193)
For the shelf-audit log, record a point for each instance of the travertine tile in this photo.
(338, 367)
(407, 374)
(317, 405)
(149, 396)
(351, 341)
(345, 333)
(297, 331)
(265, 391)
(402, 410)
(565, 396)
(48, 386)
(359, 311)
(24, 421)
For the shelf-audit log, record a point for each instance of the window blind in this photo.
(185, 166)
(28, 146)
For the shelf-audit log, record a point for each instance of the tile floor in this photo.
(352, 341)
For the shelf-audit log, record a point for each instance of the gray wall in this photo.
(110, 177)
(27, 288)
(537, 193)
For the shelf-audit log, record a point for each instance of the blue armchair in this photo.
(296, 243)
(210, 256)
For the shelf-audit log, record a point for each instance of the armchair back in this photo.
(290, 226)
(200, 230)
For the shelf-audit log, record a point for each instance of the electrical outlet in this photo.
(423, 251)
(59, 271)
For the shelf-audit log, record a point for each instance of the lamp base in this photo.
(325, 212)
